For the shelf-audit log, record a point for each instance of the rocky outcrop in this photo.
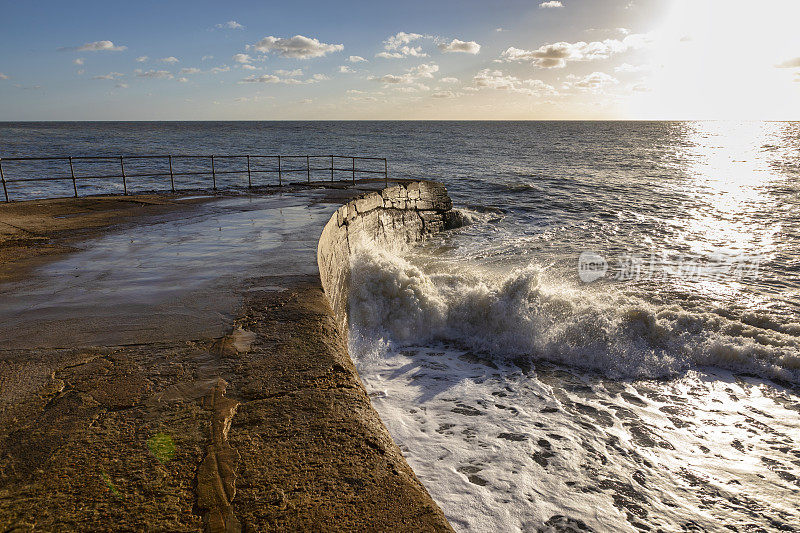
(394, 217)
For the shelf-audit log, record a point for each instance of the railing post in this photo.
(331, 169)
(72, 171)
(213, 174)
(249, 179)
(354, 169)
(385, 172)
(171, 175)
(3, 178)
(280, 173)
(308, 169)
(124, 181)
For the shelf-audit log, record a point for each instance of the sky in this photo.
(437, 60)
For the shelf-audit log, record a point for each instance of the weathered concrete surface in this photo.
(394, 217)
(267, 428)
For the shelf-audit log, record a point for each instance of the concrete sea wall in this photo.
(394, 217)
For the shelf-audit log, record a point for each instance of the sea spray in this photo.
(526, 313)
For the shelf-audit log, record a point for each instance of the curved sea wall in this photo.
(392, 218)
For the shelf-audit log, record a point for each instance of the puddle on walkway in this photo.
(166, 279)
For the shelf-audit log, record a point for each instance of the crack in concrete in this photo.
(216, 475)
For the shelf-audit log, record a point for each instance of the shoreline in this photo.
(267, 426)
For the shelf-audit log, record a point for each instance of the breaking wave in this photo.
(527, 313)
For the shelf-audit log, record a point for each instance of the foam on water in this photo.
(459, 363)
(525, 312)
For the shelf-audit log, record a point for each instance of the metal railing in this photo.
(167, 169)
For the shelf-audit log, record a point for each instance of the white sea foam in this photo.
(525, 312)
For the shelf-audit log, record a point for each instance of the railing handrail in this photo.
(168, 158)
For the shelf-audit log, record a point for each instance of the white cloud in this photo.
(499, 29)
(183, 80)
(81, 72)
(3, 76)
(249, 67)
(640, 88)
(289, 73)
(217, 70)
(206, 58)
(444, 94)
(495, 79)
(101, 46)
(156, 74)
(289, 78)
(121, 85)
(191, 70)
(790, 63)
(556, 55)
(170, 59)
(142, 59)
(242, 58)
(109, 76)
(593, 82)
(467, 47)
(230, 25)
(628, 68)
(551, 5)
(397, 46)
(344, 69)
(449, 80)
(298, 47)
(78, 61)
(355, 59)
(410, 78)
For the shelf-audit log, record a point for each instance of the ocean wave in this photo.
(526, 312)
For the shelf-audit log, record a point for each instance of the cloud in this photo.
(242, 58)
(230, 25)
(109, 76)
(789, 63)
(556, 55)
(289, 78)
(449, 80)
(290, 73)
(78, 61)
(499, 29)
(553, 4)
(593, 82)
(410, 79)
(142, 59)
(217, 70)
(154, 74)
(356, 59)
(444, 94)
(298, 47)
(631, 69)
(183, 80)
(467, 47)
(191, 70)
(170, 59)
(121, 85)
(206, 58)
(3, 76)
(495, 79)
(344, 69)
(101, 46)
(640, 88)
(397, 46)
(249, 67)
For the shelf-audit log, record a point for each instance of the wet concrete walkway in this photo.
(184, 372)
(169, 280)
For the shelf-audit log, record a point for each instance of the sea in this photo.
(610, 342)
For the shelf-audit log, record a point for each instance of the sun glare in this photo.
(719, 60)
